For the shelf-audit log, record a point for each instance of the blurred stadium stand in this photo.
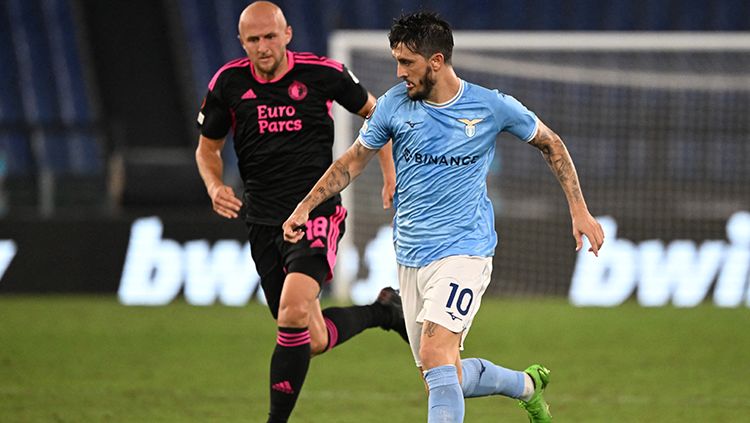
(91, 91)
(98, 101)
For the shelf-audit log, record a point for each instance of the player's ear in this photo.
(242, 43)
(288, 33)
(436, 61)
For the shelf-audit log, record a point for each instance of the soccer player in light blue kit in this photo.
(444, 131)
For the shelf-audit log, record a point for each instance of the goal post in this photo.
(657, 125)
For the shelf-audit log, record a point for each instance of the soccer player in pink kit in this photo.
(278, 103)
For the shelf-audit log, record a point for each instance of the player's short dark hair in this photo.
(424, 33)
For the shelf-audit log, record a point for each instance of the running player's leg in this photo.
(343, 323)
(309, 264)
(451, 290)
(454, 287)
(269, 263)
(439, 353)
(299, 312)
(316, 254)
(291, 357)
(335, 325)
(483, 378)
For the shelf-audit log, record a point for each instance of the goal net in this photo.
(658, 126)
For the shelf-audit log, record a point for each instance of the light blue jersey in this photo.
(442, 154)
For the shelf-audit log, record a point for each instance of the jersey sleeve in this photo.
(350, 93)
(214, 117)
(375, 131)
(514, 117)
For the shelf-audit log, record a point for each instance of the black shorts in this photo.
(313, 255)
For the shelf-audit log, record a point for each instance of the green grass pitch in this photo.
(89, 359)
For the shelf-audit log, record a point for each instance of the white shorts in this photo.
(447, 292)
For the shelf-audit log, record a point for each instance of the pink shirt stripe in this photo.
(322, 62)
(237, 63)
(312, 59)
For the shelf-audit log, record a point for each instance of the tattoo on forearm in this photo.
(559, 161)
(429, 329)
(333, 181)
(339, 178)
(339, 175)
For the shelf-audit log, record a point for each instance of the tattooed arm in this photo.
(559, 161)
(337, 177)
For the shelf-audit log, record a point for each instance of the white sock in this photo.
(528, 387)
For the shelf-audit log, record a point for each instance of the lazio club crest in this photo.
(471, 126)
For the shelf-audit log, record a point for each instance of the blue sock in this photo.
(446, 402)
(482, 378)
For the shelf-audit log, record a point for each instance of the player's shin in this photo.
(482, 378)
(446, 402)
(289, 364)
(386, 312)
(343, 323)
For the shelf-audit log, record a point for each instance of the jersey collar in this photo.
(449, 102)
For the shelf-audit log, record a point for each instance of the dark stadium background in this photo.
(97, 108)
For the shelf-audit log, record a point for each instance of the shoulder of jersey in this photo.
(304, 58)
(480, 91)
(396, 90)
(395, 96)
(396, 93)
(239, 63)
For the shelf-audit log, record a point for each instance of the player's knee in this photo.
(294, 315)
(435, 355)
(318, 346)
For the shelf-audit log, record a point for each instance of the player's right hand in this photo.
(585, 224)
(224, 201)
(387, 194)
(294, 227)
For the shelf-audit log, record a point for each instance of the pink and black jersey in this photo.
(283, 129)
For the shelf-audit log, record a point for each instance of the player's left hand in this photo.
(294, 227)
(585, 224)
(389, 187)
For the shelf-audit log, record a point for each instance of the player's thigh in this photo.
(323, 232)
(314, 267)
(452, 289)
(268, 263)
(411, 300)
(311, 259)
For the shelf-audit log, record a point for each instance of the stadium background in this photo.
(100, 192)
(97, 130)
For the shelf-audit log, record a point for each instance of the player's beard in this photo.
(427, 83)
(270, 69)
